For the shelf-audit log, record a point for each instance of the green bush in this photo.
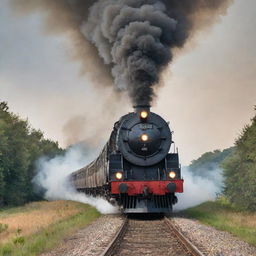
(20, 240)
(3, 227)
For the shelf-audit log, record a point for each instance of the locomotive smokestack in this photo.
(141, 108)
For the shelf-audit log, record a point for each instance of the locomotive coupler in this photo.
(145, 191)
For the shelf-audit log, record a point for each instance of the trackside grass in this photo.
(224, 216)
(28, 241)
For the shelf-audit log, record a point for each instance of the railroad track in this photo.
(157, 237)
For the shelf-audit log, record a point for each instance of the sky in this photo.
(208, 92)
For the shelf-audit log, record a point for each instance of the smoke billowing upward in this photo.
(134, 38)
(65, 17)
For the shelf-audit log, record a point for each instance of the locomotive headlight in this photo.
(172, 174)
(119, 175)
(143, 114)
(144, 137)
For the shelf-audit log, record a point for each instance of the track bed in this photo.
(144, 237)
(149, 237)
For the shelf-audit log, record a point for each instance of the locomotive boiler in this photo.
(134, 169)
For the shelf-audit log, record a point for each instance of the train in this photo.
(135, 169)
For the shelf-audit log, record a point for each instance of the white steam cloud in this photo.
(53, 175)
(198, 189)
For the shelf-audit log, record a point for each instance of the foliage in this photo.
(19, 240)
(223, 215)
(20, 147)
(209, 161)
(3, 227)
(240, 170)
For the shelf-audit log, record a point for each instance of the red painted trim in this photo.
(155, 187)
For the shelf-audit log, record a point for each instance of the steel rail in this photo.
(187, 244)
(110, 250)
(117, 239)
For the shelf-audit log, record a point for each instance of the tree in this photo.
(209, 162)
(3, 146)
(240, 170)
(20, 147)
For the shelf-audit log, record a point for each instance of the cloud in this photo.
(53, 178)
(199, 189)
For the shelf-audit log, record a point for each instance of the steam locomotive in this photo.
(134, 169)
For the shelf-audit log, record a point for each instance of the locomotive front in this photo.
(143, 176)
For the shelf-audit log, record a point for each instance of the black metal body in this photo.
(136, 160)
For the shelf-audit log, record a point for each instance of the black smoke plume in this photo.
(134, 38)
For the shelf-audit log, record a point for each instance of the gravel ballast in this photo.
(90, 241)
(93, 239)
(211, 241)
